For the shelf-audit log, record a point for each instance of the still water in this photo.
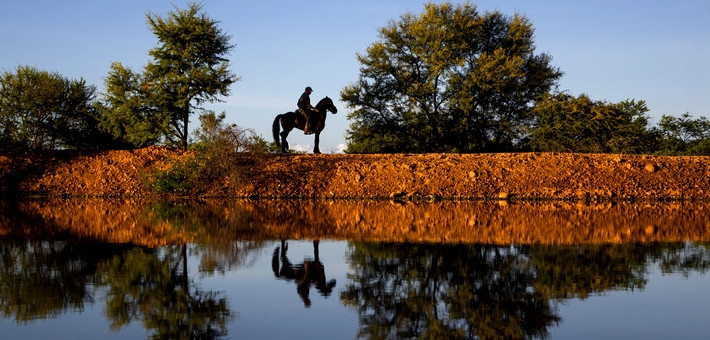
(87, 269)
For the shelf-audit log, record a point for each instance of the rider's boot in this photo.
(307, 129)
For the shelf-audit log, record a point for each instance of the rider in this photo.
(305, 108)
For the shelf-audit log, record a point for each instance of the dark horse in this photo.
(290, 120)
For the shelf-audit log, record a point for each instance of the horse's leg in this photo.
(284, 143)
(316, 149)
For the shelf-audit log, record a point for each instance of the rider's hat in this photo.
(308, 88)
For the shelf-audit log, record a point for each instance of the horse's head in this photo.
(327, 104)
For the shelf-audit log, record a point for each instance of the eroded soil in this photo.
(508, 176)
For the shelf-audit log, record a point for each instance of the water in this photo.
(87, 269)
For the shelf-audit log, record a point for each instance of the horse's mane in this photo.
(323, 100)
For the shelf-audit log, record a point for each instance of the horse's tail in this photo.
(275, 128)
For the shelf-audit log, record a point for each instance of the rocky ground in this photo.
(508, 176)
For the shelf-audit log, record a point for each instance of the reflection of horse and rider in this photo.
(310, 272)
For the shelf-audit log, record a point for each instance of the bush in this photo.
(578, 124)
(224, 156)
(179, 178)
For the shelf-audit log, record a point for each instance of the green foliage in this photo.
(569, 124)
(448, 80)
(259, 145)
(180, 178)
(127, 111)
(43, 111)
(218, 150)
(684, 136)
(189, 68)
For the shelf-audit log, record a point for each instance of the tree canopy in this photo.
(569, 124)
(448, 80)
(189, 68)
(683, 135)
(40, 110)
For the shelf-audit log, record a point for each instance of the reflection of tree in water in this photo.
(564, 272)
(42, 279)
(434, 291)
(223, 242)
(311, 271)
(483, 291)
(684, 258)
(153, 286)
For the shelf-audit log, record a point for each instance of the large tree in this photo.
(448, 80)
(189, 68)
(40, 110)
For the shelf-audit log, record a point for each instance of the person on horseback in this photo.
(305, 108)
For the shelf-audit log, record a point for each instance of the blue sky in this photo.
(656, 51)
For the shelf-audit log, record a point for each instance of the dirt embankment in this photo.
(591, 177)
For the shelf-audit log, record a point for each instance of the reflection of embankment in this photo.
(214, 221)
(485, 222)
(114, 221)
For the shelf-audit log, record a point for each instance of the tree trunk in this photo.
(185, 120)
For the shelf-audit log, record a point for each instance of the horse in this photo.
(290, 120)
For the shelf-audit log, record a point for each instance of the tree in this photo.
(127, 111)
(40, 110)
(189, 68)
(569, 124)
(448, 80)
(684, 135)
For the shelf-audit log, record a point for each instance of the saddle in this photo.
(308, 114)
(305, 112)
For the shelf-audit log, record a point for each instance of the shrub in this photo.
(224, 157)
(179, 178)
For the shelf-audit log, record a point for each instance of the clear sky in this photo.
(612, 50)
